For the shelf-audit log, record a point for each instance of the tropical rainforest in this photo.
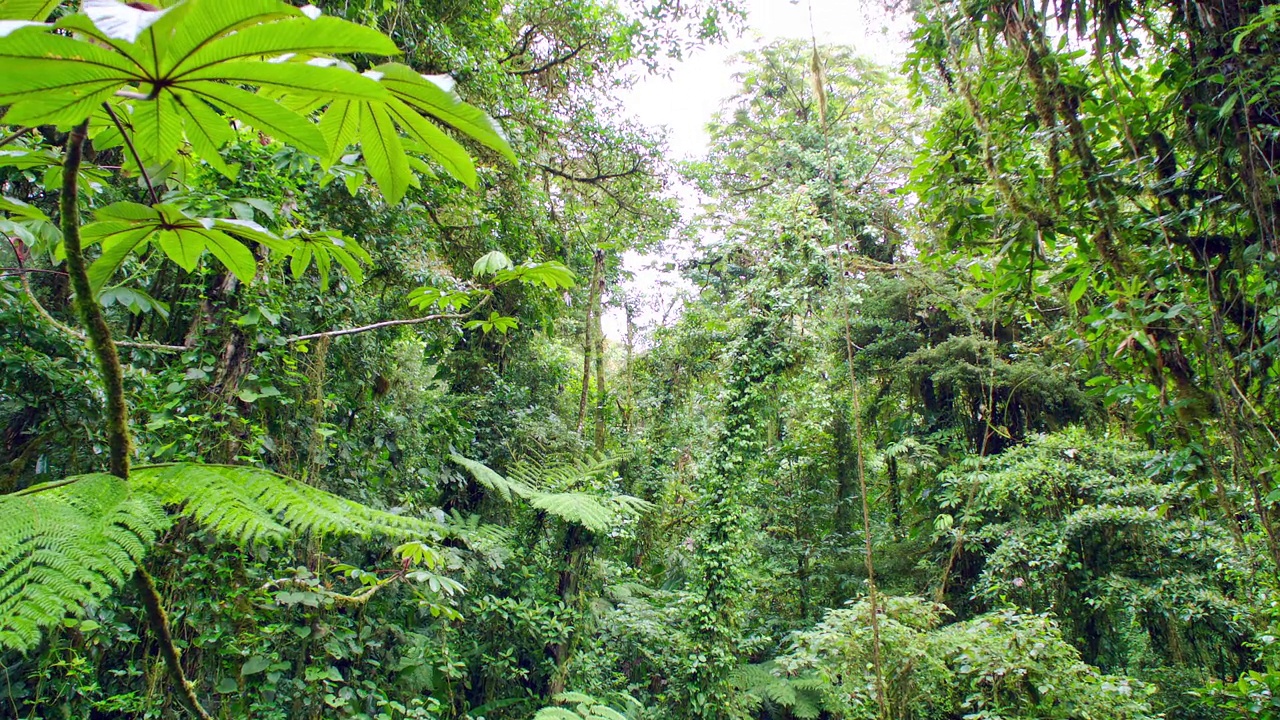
(328, 388)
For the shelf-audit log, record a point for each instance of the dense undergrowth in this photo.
(966, 407)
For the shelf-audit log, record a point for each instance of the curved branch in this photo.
(550, 63)
(590, 179)
(386, 324)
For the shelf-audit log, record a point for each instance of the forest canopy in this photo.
(328, 388)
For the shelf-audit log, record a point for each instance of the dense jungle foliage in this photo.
(967, 406)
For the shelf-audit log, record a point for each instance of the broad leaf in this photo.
(427, 94)
(326, 248)
(491, 263)
(125, 228)
(28, 10)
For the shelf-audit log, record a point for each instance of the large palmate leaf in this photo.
(124, 228)
(26, 10)
(181, 66)
(374, 124)
(179, 74)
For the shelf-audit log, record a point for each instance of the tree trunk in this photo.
(845, 459)
(588, 345)
(601, 395)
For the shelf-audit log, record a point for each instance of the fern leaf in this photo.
(492, 480)
(575, 507)
(556, 713)
(597, 512)
(65, 545)
(807, 705)
(247, 504)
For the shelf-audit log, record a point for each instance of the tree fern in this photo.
(553, 488)
(72, 542)
(66, 544)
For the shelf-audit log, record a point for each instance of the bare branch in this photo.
(387, 324)
(590, 179)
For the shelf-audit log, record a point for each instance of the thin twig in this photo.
(128, 141)
(22, 273)
(15, 135)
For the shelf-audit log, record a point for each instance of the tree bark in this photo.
(601, 434)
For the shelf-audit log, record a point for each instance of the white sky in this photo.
(685, 101)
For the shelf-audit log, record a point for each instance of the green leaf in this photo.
(556, 713)
(294, 78)
(30, 10)
(1078, 289)
(263, 114)
(491, 263)
(254, 665)
(208, 21)
(206, 130)
(298, 35)
(383, 153)
(325, 248)
(339, 125)
(440, 147)
(117, 244)
(65, 545)
(604, 712)
(233, 254)
(434, 96)
(551, 274)
(157, 128)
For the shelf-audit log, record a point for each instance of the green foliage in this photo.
(549, 487)
(68, 544)
(1004, 664)
(247, 505)
(580, 706)
(72, 542)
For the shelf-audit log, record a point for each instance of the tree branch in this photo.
(525, 39)
(15, 135)
(550, 63)
(590, 179)
(386, 324)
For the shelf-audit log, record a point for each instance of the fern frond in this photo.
(598, 512)
(563, 476)
(807, 705)
(247, 504)
(68, 544)
(492, 480)
(575, 507)
(556, 713)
